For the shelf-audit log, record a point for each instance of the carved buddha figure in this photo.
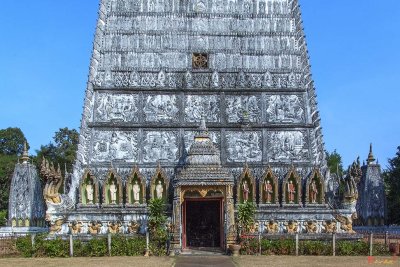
(89, 192)
(113, 192)
(313, 191)
(136, 192)
(291, 191)
(268, 190)
(246, 190)
(159, 189)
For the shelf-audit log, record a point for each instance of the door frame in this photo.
(221, 218)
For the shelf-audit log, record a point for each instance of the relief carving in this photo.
(159, 108)
(285, 109)
(115, 145)
(160, 146)
(116, 107)
(240, 107)
(198, 106)
(287, 145)
(243, 146)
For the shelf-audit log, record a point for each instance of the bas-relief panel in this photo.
(285, 108)
(160, 146)
(116, 107)
(189, 138)
(160, 108)
(114, 145)
(198, 106)
(243, 146)
(240, 107)
(287, 145)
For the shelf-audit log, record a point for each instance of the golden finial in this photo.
(370, 158)
(25, 156)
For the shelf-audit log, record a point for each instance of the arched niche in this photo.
(269, 193)
(136, 184)
(246, 186)
(291, 191)
(159, 185)
(112, 185)
(315, 191)
(88, 189)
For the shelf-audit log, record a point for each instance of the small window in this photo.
(199, 61)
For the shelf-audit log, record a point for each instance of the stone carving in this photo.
(291, 227)
(197, 106)
(313, 191)
(268, 190)
(243, 146)
(285, 109)
(113, 192)
(75, 227)
(53, 179)
(136, 192)
(239, 108)
(160, 146)
(311, 226)
(346, 222)
(287, 145)
(254, 228)
(116, 108)
(133, 227)
(116, 145)
(135, 188)
(160, 108)
(271, 227)
(114, 227)
(189, 138)
(56, 226)
(268, 185)
(329, 226)
(94, 228)
(159, 189)
(89, 192)
(291, 189)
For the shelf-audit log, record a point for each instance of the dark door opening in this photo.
(203, 223)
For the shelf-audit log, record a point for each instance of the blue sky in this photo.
(45, 48)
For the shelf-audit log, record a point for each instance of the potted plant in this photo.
(245, 219)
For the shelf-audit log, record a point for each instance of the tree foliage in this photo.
(11, 146)
(334, 161)
(12, 141)
(63, 150)
(245, 215)
(392, 180)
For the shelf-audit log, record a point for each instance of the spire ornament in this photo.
(371, 157)
(25, 156)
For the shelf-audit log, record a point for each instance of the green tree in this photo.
(11, 146)
(392, 181)
(334, 161)
(63, 150)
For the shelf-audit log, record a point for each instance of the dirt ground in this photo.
(245, 261)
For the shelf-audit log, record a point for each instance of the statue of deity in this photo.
(313, 191)
(113, 192)
(246, 191)
(159, 189)
(136, 192)
(89, 192)
(291, 191)
(268, 191)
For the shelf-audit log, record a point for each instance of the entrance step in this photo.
(203, 251)
(203, 261)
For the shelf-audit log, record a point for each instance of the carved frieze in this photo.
(239, 108)
(287, 145)
(116, 107)
(243, 146)
(197, 106)
(160, 108)
(284, 108)
(160, 145)
(114, 145)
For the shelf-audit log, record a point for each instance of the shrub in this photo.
(51, 248)
(352, 248)
(316, 248)
(3, 217)
(135, 246)
(24, 246)
(380, 250)
(249, 246)
(96, 247)
(118, 245)
(278, 247)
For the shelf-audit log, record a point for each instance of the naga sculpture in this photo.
(53, 180)
(349, 203)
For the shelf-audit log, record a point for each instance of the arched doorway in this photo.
(203, 224)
